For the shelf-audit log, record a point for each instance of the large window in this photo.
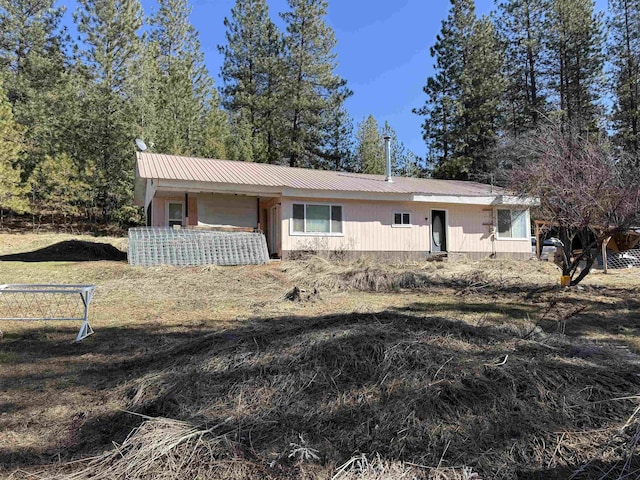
(317, 219)
(512, 224)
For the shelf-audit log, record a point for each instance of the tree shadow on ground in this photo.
(406, 385)
(70, 251)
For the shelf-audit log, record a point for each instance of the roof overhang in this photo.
(490, 200)
(145, 189)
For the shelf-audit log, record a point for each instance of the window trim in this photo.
(167, 216)
(527, 232)
(401, 225)
(316, 234)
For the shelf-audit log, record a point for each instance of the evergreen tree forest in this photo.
(530, 63)
(70, 108)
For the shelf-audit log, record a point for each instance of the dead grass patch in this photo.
(395, 371)
(465, 276)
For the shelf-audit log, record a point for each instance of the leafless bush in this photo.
(587, 190)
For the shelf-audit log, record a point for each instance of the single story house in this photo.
(347, 214)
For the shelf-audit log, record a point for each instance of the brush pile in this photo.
(464, 277)
(299, 397)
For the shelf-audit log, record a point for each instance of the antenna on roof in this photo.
(141, 145)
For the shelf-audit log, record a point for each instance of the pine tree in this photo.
(12, 191)
(483, 87)
(461, 112)
(253, 77)
(145, 96)
(413, 166)
(313, 89)
(624, 54)
(216, 134)
(59, 186)
(404, 163)
(339, 155)
(370, 147)
(112, 48)
(240, 143)
(32, 64)
(575, 53)
(522, 30)
(185, 90)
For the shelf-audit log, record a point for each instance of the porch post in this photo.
(605, 243)
(186, 209)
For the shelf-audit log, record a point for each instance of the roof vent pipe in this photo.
(387, 154)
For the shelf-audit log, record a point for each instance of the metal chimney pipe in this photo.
(387, 154)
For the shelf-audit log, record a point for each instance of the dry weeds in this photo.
(409, 371)
(465, 276)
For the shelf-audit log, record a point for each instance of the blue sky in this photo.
(383, 51)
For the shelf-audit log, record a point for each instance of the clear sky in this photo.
(383, 51)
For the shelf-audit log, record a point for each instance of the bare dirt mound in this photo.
(70, 251)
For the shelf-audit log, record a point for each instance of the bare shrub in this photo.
(587, 190)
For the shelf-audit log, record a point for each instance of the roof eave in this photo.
(490, 200)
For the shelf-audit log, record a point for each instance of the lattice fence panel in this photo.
(26, 305)
(152, 246)
(626, 259)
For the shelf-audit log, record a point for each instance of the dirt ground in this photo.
(438, 370)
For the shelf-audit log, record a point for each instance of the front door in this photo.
(274, 230)
(438, 231)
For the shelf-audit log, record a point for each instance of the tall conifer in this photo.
(253, 77)
(111, 48)
(370, 147)
(521, 27)
(33, 66)
(461, 111)
(185, 88)
(624, 54)
(313, 88)
(575, 61)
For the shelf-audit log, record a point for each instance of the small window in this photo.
(175, 213)
(401, 219)
(512, 224)
(317, 219)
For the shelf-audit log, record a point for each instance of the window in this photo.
(401, 219)
(512, 224)
(317, 219)
(175, 213)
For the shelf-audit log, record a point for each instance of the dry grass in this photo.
(428, 370)
(364, 275)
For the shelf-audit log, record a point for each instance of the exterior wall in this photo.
(227, 210)
(367, 229)
(209, 210)
(267, 223)
(159, 208)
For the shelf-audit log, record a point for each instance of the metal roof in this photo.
(172, 167)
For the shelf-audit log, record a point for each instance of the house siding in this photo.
(159, 208)
(227, 210)
(218, 210)
(367, 229)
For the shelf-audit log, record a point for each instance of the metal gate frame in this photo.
(85, 292)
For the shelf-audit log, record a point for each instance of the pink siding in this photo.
(227, 210)
(159, 213)
(368, 227)
(469, 231)
(209, 209)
